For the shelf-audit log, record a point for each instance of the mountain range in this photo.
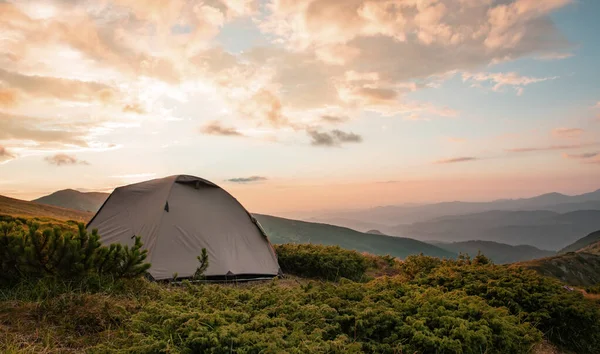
(504, 235)
(390, 216)
(543, 229)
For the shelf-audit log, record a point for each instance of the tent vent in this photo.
(167, 207)
(229, 273)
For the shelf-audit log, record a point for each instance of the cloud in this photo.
(587, 155)
(456, 140)
(333, 119)
(555, 56)
(500, 80)
(134, 108)
(333, 138)
(64, 160)
(57, 88)
(551, 147)
(5, 155)
(247, 179)
(215, 128)
(456, 159)
(567, 132)
(8, 97)
(42, 131)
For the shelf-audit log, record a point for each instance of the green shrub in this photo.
(322, 262)
(565, 317)
(593, 289)
(383, 316)
(26, 252)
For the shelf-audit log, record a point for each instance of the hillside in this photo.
(282, 230)
(17, 207)
(499, 253)
(542, 229)
(591, 241)
(72, 199)
(574, 268)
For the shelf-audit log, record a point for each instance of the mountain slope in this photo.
(282, 230)
(17, 207)
(574, 268)
(542, 229)
(499, 253)
(586, 242)
(72, 199)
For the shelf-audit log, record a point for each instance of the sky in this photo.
(297, 105)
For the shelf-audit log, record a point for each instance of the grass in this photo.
(22, 208)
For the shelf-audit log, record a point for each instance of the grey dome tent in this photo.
(176, 217)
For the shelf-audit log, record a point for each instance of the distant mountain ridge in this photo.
(543, 229)
(407, 214)
(73, 199)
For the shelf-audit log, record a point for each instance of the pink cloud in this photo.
(567, 132)
(456, 160)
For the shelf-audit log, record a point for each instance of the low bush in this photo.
(565, 317)
(593, 289)
(322, 262)
(383, 316)
(26, 252)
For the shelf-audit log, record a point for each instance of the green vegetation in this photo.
(595, 289)
(583, 242)
(324, 262)
(27, 253)
(423, 305)
(500, 253)
(282, 231)
(578, 269)
(22, 208)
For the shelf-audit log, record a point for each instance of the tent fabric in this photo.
(176, 217)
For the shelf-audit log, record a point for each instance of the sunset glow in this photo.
(298, 105)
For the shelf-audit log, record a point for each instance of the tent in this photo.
(176, 217)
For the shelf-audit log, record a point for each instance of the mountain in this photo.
(72, 199)
(357, 225)
(375, 232)
(589, 242)
(23, 208)
(499, 253)
(282, 230)
(574, 268)
(542, 229)
(407, 214)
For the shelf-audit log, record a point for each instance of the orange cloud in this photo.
(567, 132)
(8, 97)
(57, 88)
(456, 140)
(134, 108)
(5, 155)
(215, 128)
